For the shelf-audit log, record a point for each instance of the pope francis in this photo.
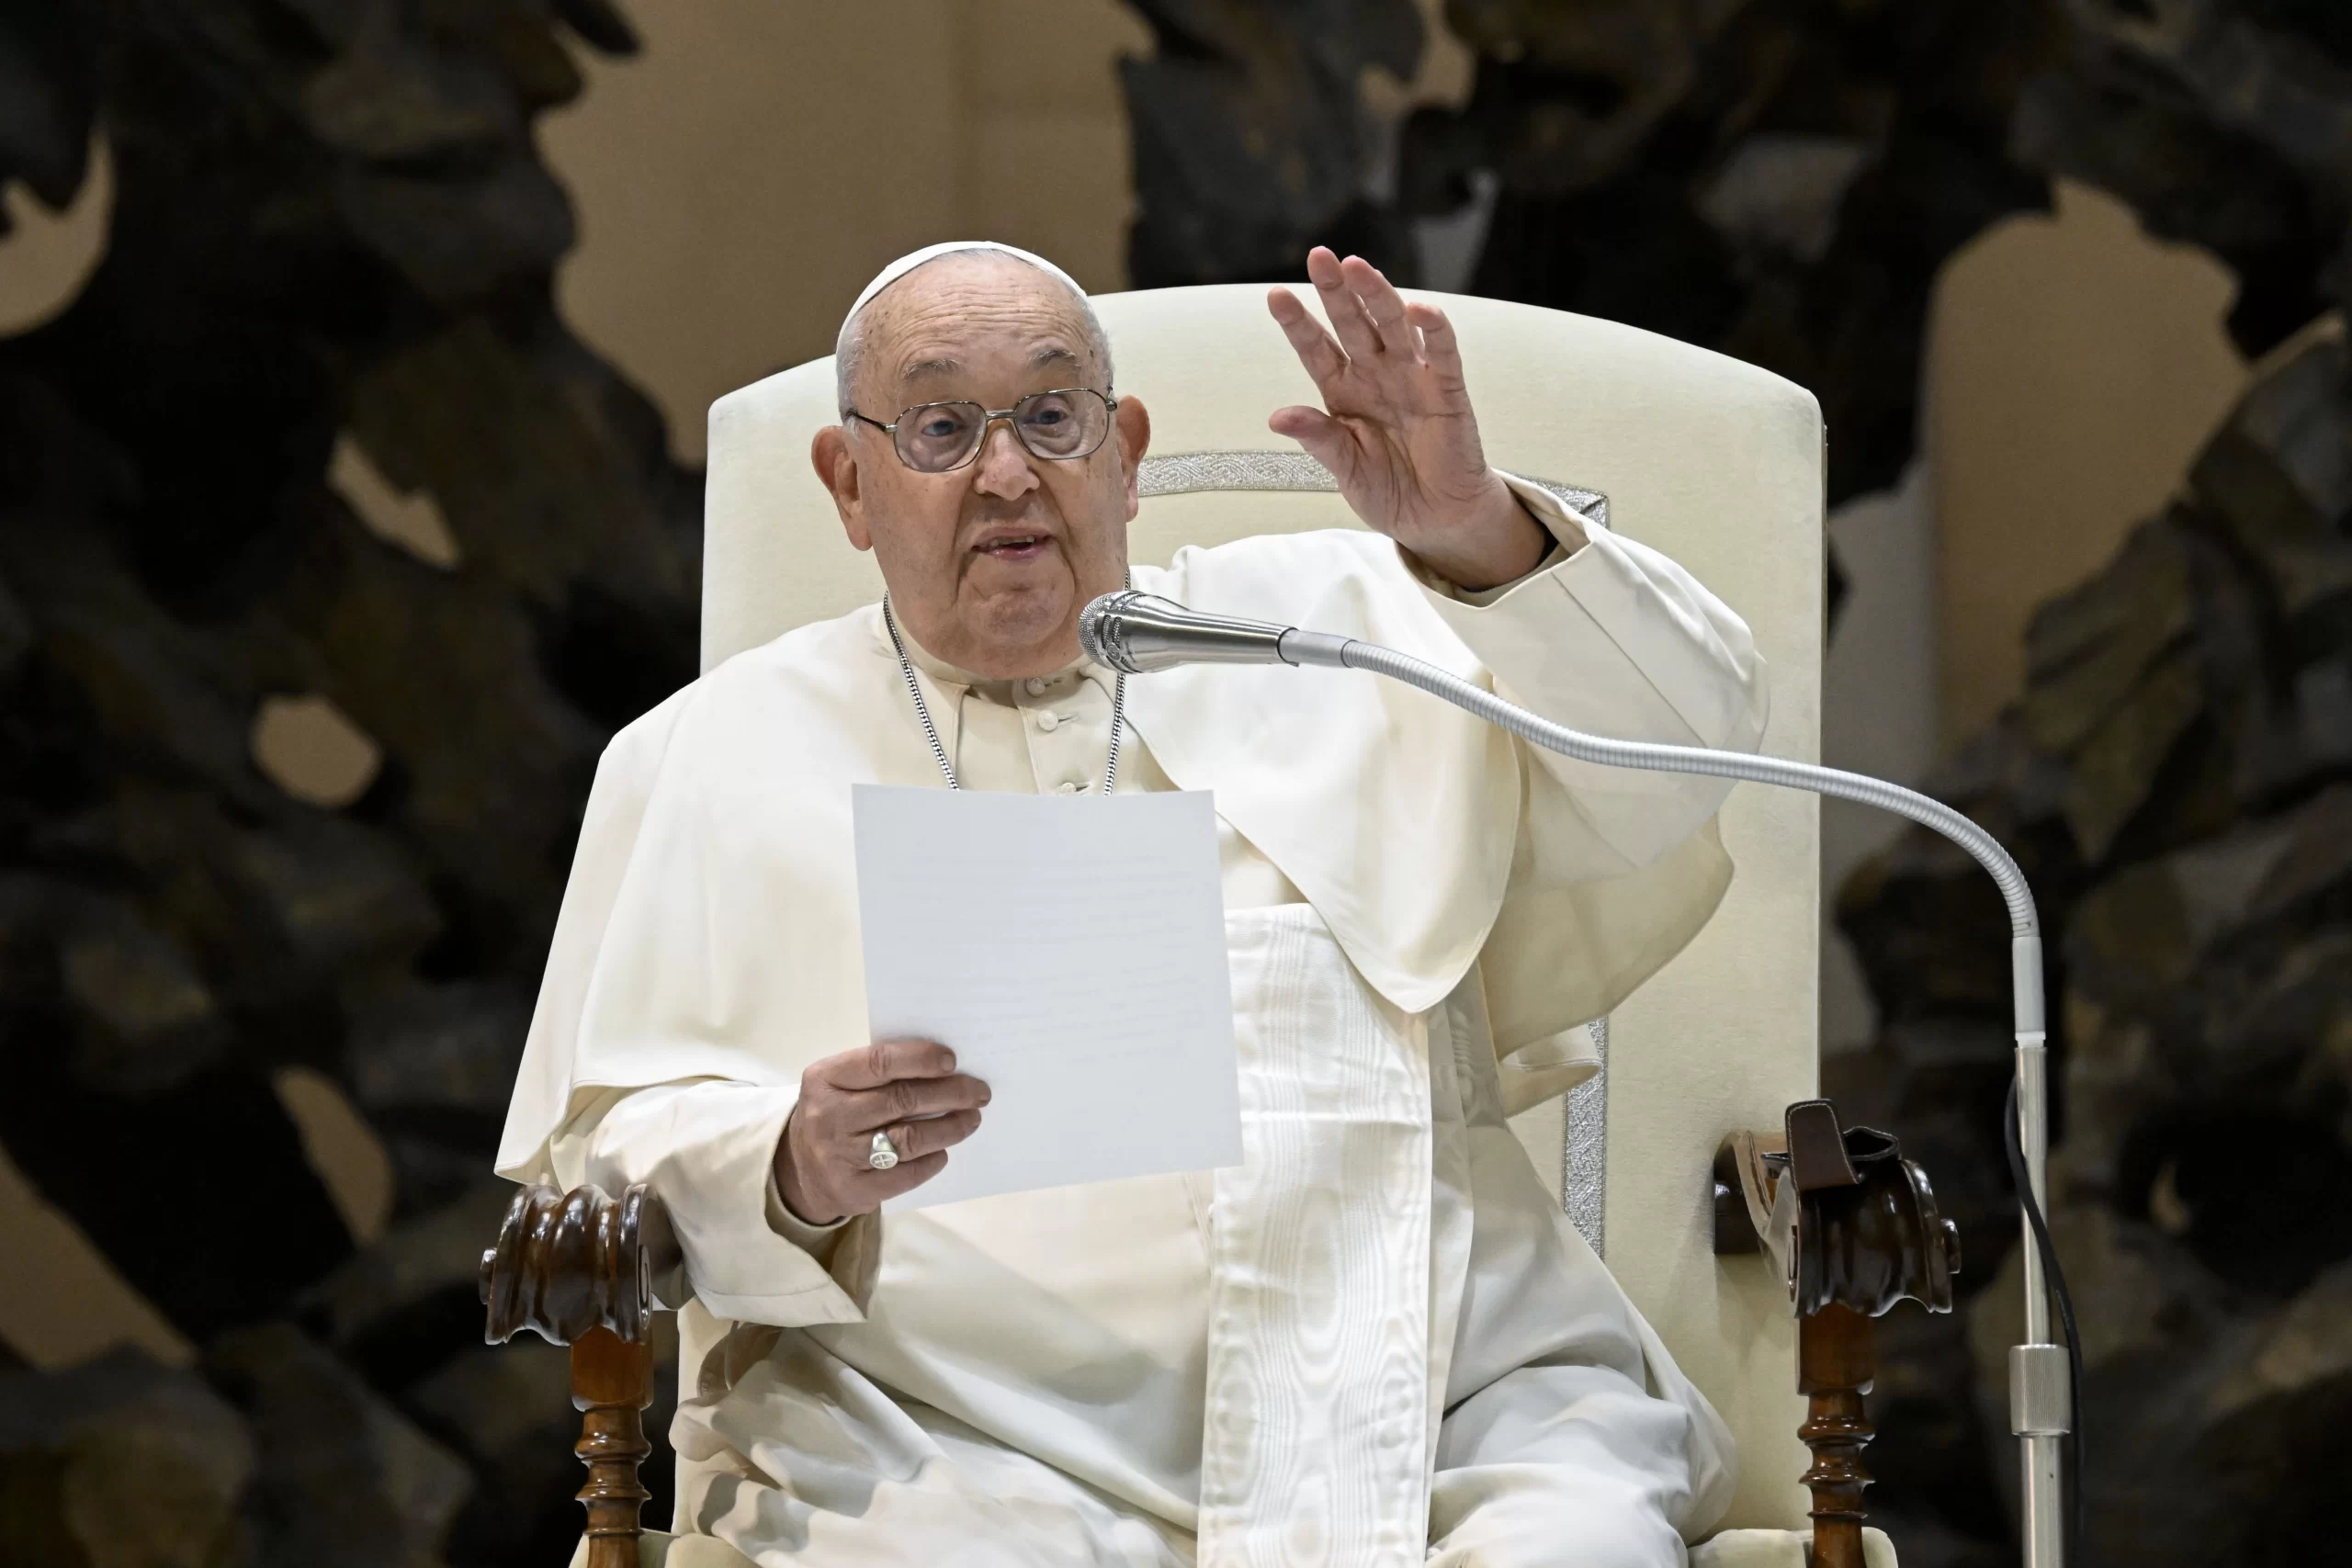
(1375, 1342)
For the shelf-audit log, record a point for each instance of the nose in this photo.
(1004, 467)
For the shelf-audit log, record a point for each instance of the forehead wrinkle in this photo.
(936, 359)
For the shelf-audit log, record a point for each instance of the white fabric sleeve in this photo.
(1616, 639)
(707, 1149)
(817, 1241)
(1569, 528)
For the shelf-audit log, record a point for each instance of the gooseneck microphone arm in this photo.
(1139, 632)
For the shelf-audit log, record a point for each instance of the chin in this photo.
(1027, 620)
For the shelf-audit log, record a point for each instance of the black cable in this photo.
(2012, 1133)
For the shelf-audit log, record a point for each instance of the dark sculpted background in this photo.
(330, 217)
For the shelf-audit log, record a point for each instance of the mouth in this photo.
(1014, 546)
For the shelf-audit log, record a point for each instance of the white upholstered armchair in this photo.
(1718, 464)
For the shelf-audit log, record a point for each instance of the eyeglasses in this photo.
(1066, 423)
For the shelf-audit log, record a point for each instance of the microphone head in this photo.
(1136, 633)
(1098, 626)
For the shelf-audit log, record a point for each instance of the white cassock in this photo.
(1378, 1341)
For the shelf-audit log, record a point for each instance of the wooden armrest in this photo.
(577, 1268)
(1852, 1228)
(569, 1262)
(1745, 1185)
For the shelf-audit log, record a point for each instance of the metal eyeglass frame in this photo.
(988, 417)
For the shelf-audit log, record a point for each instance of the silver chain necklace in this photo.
(930, 730)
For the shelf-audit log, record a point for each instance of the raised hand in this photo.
(908, 1089)
(1396, 429)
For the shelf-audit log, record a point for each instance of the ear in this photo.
(836, 468)
(1132, 423)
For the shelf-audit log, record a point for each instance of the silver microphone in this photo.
(1139, 632)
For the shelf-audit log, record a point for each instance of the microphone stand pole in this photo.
(1138, 633)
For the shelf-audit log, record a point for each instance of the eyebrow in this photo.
(922, 367)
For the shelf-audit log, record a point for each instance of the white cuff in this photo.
(1570, 533)
(817, 1241)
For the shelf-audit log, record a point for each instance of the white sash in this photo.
(1316, 1448)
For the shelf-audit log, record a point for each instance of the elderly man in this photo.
(1375, 1342)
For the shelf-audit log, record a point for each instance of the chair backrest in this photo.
(1713, 461)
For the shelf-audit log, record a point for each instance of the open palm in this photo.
(1396, 429)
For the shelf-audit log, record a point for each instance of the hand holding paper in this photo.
(908, 1090)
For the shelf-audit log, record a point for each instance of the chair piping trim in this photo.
(1185, 473)
(1584, 1147)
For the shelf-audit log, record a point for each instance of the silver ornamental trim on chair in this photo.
(1183, 473)
(1583, 1144)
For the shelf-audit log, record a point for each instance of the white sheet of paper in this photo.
(1071, 951)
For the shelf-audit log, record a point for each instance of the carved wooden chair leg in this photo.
(1852, 1227)
(1834, 1365)
(611, 1381)
(578, 1269)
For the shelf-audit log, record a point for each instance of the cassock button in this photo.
(1035, 686)
(1070, 786)
(1049, 721)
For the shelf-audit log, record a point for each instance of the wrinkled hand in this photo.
(1396, 429)
(908, 1089)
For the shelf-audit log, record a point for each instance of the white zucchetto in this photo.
(913, 259)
